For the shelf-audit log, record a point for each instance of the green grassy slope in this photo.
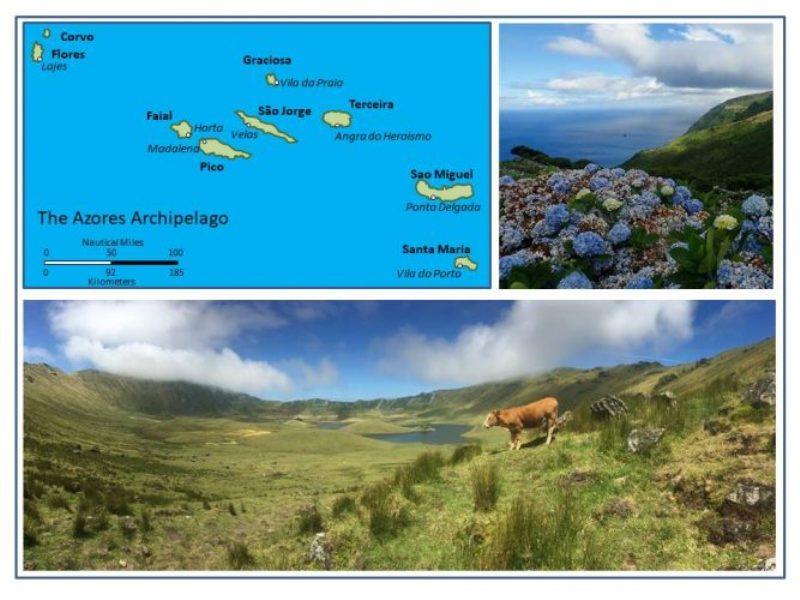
(735, 109)
(733, 155)
(109, 487)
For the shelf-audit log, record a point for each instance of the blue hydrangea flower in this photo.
(725, 273)
(693, 206)
(556, 216)
(598, 182)
(755, 206)
(742, 276)
(617, 173)
(636, 212)
(558, 183)
(640, 281)
(506, 180)
(619, 233)
(647, 198)
(588, 243)
(681, 195)
(751, 244)
(575, 218)
(540, 231)
(518, 259)
(765, 227)
(591, 168)
(511, 235)
(575, 281)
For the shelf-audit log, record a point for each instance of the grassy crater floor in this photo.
(219, 494)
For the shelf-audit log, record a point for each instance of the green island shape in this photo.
(444, 193)
(465, 262)
(214, 147)
(37, 52)
(263, 127)
(272, 79)
(337, 118)
(46, 33)
(182, 129)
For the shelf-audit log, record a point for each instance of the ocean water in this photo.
(607, 137)
(321, 212)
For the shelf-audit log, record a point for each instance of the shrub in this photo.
(80, 524)
(29, 535)
(342, 505)
(309, 519)
(532, 536)
(31, 511)
(145, 520)
(465, 453)
(117, 504)
(386, 512)
(485, 481)
(239, 556)
(58, 500)
(232, 509)
(613, 435)
(32, 489)
(425, 467)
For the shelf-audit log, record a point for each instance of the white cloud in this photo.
(535, 336)
(621, 88)
(174, 341)
(222, 368)
(544, 99)
(324, 373)
(36, 354)
(706, 56)
(167, 324)
(574, 46)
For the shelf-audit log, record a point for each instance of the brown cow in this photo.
(542, 413)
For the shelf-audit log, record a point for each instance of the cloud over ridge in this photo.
(535, 336)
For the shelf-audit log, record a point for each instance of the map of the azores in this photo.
(245, 154)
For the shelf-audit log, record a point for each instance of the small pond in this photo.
(442, 433)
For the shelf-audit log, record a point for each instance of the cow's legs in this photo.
(550, 429)
(516, 442)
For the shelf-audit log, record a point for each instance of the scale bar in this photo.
(111, 263)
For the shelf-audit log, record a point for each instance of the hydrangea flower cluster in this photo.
(615, 228)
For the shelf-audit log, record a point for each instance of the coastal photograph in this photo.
(400, 436)
(636, 155)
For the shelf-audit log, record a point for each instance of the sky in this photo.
(359, 349)
(633, 65)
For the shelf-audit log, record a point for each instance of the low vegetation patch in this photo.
(465, 453)
(485, 483)
(239, 556)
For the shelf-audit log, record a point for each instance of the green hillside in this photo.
(730, 146)
(124, 474)
(735, 109)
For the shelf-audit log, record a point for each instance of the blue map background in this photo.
(318, 213)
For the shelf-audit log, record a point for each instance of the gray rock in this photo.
(608, 406)
(768, 564)
(644, 439)
(747, 495)
(565, 418)
(666, 398)
(729, 530)
(762, 393)
(321, 549)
